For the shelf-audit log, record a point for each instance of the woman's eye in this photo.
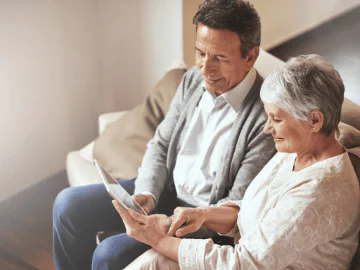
(276, 120)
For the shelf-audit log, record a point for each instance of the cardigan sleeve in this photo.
(153, 174)
(259, 150)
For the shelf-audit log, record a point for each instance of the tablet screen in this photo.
(116, 190)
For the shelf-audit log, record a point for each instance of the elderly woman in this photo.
(300, 212)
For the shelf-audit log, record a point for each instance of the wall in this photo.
(65, 62)
(189, 30)
(139, 40)
(48, 65)
(283, 19)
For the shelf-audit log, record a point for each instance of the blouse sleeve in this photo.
(300, 221)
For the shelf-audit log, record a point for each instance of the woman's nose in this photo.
(268, 128)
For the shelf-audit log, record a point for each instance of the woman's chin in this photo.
(284, 150)
(281, 148)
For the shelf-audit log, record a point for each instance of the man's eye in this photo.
(222, 59)
(276, 120)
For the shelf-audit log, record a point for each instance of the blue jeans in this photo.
(78, 214)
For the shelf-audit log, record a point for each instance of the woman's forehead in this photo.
(273, 109)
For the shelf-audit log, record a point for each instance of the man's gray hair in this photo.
(303, 84)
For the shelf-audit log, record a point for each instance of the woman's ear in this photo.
(317, 120)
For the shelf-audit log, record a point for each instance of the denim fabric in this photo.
(78, 214)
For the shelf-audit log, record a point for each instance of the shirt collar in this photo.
(236, 95)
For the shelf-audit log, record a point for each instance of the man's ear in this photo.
(251, 57)
(317, 120)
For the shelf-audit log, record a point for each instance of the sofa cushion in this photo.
(120, 148)
(349, 136)
(80, 172)
(350, 113)
(87, 152)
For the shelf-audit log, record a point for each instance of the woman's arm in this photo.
(168, 246)
(219, 219)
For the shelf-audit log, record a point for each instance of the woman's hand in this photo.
(186, 220)
(147, 229)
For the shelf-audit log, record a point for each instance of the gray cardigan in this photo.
(248, 150)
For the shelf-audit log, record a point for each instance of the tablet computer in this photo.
(117, 191)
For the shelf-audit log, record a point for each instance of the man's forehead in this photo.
(207, 35)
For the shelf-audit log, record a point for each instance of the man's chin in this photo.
(215, 91)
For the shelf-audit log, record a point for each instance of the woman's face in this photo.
(290, 135)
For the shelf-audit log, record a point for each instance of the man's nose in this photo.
(209, 67)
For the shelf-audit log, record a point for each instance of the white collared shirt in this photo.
(202, 150)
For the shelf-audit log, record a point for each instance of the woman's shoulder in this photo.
(338, 167)
(334, 180)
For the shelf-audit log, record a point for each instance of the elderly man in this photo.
(207, 150)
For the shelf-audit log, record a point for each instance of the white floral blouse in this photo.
(289, 220)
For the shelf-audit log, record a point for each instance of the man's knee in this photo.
(105, 256)
(65, 205)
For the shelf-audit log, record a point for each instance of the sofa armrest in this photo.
(107, 118)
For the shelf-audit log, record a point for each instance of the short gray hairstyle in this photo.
(303, 84)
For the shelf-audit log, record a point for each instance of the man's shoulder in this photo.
(193, 78)
(255, 100)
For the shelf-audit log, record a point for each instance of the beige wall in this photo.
(65, 62)
(189, 31)
(139, 40)
(49, 87)
(284, 19)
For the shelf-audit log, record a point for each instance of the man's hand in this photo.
(146, 201)
(186, 220)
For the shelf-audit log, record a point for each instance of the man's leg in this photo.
(116, 252)
(78, 214)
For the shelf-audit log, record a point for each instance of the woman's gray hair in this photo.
(303, 84)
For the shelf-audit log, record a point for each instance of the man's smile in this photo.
(212, 81)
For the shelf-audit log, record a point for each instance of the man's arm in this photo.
(153, 173)
(257, 154)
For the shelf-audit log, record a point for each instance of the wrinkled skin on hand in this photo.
(146, 229)
(186, 220)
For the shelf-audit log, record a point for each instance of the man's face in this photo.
(218, 56)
